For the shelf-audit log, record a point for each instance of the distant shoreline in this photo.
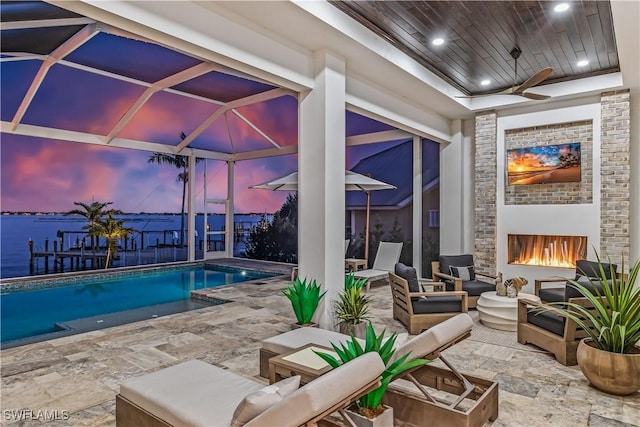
(37, 213)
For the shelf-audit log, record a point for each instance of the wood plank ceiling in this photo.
(478, 36)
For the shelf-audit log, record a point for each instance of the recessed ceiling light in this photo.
(485, 82)
(437, 42)
(562, 7)
(582, 63)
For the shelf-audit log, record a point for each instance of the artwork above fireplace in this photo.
(545, 250)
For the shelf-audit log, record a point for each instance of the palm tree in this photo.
(93, 213)
(182, 163)
(111, 229)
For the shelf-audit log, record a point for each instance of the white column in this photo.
(191, 203)
(229, 212)
(321, 181)
(468, 185)
(452, 192)
(417, 204)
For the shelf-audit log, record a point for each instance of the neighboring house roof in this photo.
(395, 166)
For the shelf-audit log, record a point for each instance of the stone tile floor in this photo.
(80, 375)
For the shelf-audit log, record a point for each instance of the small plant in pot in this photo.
(352, 307)
(609, 356)
(369, 410)
(304, 298)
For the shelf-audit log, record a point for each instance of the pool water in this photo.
(34, 313)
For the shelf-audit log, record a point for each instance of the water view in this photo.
(151, 230)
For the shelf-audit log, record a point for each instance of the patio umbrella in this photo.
(353, 182)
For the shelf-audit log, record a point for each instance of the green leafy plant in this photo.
(304, 298)
(352, 349)
(614, 325)
(352, 306)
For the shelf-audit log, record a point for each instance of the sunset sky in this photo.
(539, 158)
(49, 175)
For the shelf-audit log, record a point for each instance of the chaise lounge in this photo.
(416, 406)
(195, 393)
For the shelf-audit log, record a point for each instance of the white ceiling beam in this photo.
(88, 138)
(268, 152)
(134, 81)
(77, 40)
(42, 23)
(201, 128)
(251, 99)
(169, 81)
(384, 136)
(21, 56)
(256, 128)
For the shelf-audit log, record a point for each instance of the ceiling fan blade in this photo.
(535, 96)
(507, 91)
(534, 80)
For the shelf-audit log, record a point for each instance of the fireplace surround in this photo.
(545, 250)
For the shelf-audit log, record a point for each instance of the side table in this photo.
(355, 264)
(300, 361)
(498, 312)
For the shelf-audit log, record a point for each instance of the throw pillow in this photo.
(464, 273)
(259, 401)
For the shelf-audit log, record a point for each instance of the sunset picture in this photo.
(544, 165)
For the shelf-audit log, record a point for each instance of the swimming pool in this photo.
(35, 315)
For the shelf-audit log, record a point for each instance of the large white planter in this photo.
(383, 420)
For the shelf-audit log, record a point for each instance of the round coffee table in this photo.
(500, 312)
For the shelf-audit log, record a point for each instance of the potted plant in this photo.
(369, 411)
(609, 356)
(304, 298)
(352, 307)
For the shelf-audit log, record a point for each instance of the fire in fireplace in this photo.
(546, 251)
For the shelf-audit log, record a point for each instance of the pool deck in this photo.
(81, 374)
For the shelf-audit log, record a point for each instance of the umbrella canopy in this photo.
(353, 182)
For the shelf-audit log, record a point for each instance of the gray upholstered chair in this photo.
(419, 310)
(550, 331)
(459, 274)
(586, 274)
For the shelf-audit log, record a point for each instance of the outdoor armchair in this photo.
(418, 311)
(586, 272)
(459, 274)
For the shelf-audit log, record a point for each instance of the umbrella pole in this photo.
(366, 232)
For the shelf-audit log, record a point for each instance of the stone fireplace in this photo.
(545, 250)
(571, 220)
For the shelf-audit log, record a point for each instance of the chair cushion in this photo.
(259, 401)
(592, 269)
(182, 394)
(591, 285)
(552, 294)
(409, 274)
(435, 337)
(465, 273)
(322, 393)
(437, 304)
(302, 336)
(548, 321)
(447, 261)
(474, 288)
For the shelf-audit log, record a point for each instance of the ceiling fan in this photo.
(520, 90)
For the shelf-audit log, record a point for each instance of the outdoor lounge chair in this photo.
(387, 257)
(195, 393)
(414, 403)
(413, 406)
